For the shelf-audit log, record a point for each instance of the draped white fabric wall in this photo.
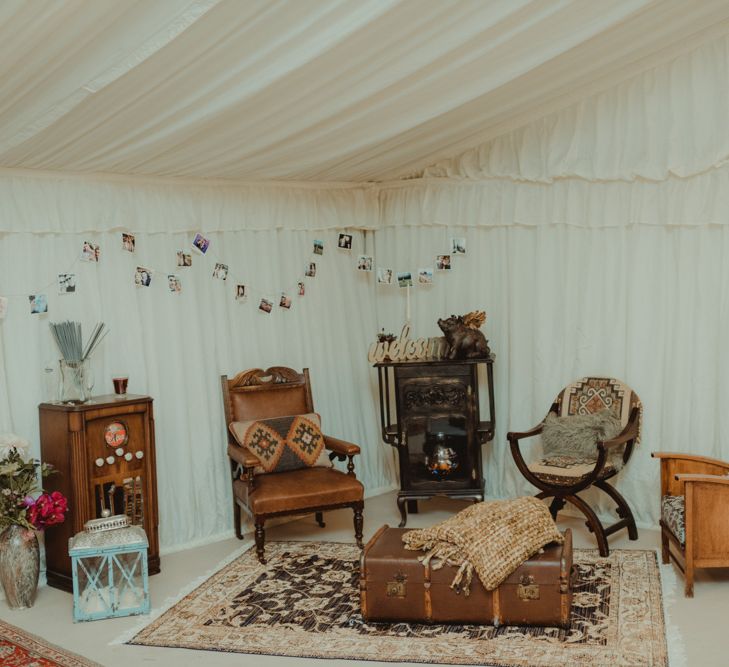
(175, 347)
(644, 304)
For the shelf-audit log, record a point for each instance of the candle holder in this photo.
(109, 570)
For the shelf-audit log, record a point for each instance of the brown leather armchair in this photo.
(276, 392)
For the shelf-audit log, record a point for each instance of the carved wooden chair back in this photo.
(260, 394)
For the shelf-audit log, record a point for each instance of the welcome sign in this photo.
(406, 349)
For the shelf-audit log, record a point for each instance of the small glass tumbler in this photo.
(120, 385)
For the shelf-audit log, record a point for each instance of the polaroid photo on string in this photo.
(318, 247)
(301, 288)
(3, 307)
(90, 252)
(200, 243)
(345, 242)
(405, 279)
(384, 276)
(174, 283)
(364, 263)
(128, 242)
(442, 262)
(66, 283)
(143, 277)
(458, 245)
(220, 271)
(184, 258)
(240, 293)
(285, 301)
(425, 276)
(310, 271)
(266, 305)
(38, 304)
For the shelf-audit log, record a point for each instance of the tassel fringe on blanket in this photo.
(491, 539)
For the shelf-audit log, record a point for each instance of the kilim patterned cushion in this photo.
(283, 443)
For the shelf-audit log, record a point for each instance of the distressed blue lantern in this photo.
(109, 571)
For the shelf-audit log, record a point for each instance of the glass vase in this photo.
(74, 382)
(19, 566)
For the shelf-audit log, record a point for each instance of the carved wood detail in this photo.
(256, 377)
(439, 394)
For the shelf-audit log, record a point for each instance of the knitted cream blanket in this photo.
(489, 538)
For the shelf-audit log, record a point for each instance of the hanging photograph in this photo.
(364, 263)
(345, 242)
(310, 271)
(240, 293)
(143, 277)
(443, 262)
(318, 247)
(3, 307)
(405, 279)
(184, 258)
(66, 283)
(128, 242)
(266, 305)
(220, 271)
(200, 243)
(425, 276)
(458, 245)
(38, 304)
(285, 301)
(90, 252)
(174, 283)
(302, 289)
(384, 276)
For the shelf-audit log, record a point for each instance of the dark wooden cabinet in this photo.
(104, 453)
(430, 412)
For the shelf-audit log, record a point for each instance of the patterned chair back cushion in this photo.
(592, 394)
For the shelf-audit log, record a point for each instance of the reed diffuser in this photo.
(76, 377)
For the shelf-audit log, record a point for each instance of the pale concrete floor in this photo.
(701, 621)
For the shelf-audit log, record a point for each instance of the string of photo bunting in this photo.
(143, 275)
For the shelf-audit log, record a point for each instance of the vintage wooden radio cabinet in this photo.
(103, 450)
(429, 411)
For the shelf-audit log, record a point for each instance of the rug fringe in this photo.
(674, 640)
(172, 600)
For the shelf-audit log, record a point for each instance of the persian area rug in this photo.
(21, 649)
(305, 603)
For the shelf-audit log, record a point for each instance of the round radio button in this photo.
(110, 459)
(128, 456)
(139, 454)
(99, 462)
(119, 451)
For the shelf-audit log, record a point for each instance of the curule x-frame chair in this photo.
(276, 392)
(694, 505)
(563, 478)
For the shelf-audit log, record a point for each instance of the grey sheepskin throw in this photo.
(577, 435)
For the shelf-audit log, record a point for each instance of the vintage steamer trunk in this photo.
(395, 586)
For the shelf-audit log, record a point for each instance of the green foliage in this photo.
(18, 480)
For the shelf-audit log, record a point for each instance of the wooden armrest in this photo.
(630, 432)
(516, 435)
(712, 479)
(243, 456)
(340, 447)
(679, 456)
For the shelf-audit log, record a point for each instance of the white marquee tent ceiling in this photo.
(323, 90)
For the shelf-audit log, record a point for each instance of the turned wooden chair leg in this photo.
(402, 506)
(260, 540)
(320, 519)
(593, 523)
(236, 519)
(358, 523)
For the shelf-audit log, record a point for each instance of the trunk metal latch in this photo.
(398, 587)
(527, 589)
